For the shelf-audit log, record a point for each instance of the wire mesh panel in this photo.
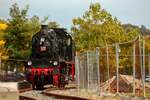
(107, 69)
(81, 64)
(77, 71)
(92, 64)
(146, 67)
(126, 64)
(87, 71)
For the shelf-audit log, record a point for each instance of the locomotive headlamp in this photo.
(55, 63)
(29, 63)
(50, 61)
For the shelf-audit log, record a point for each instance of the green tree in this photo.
(53, 24)
(97, 27)
(33, 26)
(16, 38)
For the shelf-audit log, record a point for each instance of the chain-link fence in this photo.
(121, 68)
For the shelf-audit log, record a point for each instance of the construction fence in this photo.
(121, 68)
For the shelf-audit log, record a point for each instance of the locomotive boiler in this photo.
(52, 58)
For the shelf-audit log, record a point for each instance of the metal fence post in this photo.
(141, 60)
(133, 68)
(143, 49)
(97, 55)
(117, 67)
(88, 72)
(77, 71)
(149, 66)
(107, 57)
(0, 64)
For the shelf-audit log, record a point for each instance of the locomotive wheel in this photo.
(39, 86)
(62, 82)
(33, 86)
(61, 86)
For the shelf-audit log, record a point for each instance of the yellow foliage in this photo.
(2, 42)
(3, 26)
(4, 57)
(3, 51)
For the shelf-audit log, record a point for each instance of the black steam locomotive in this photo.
(52, 58)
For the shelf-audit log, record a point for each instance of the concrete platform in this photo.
(10, 90)
(10, 86)
(8, 93)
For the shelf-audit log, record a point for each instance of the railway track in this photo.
(30, 94)
(46, 95)
(34, 95)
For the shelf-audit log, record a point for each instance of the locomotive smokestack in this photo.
(44, 27)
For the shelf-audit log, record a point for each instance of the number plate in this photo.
(43, 48)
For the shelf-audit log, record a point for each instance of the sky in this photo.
(63, 11)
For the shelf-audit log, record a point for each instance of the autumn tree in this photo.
(97, 27)
(3, 50)
(3, 26)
